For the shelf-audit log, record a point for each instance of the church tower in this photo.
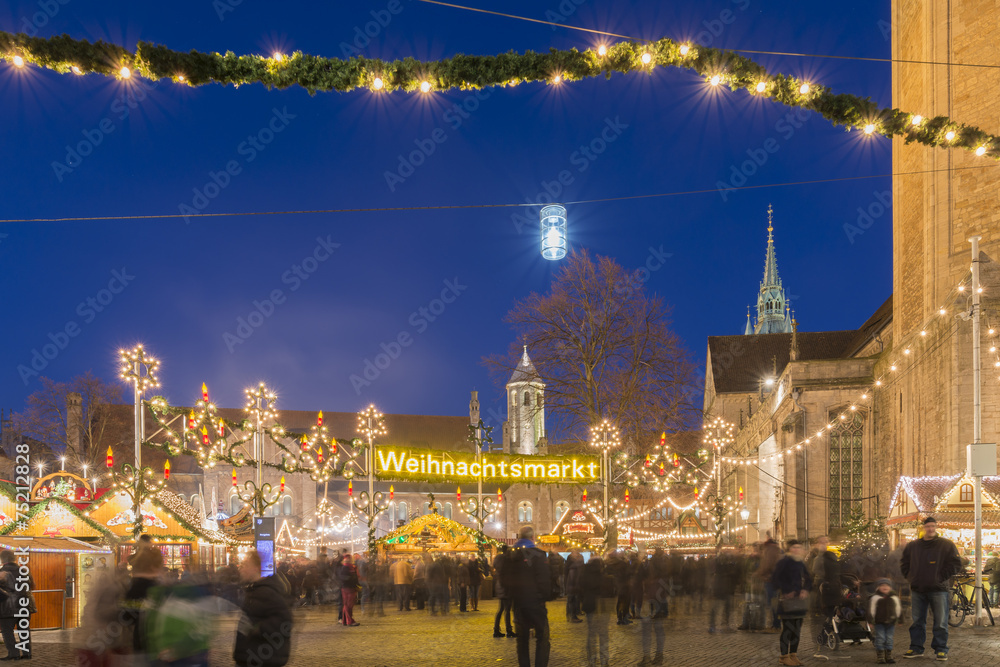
(524, 430)
(772, 306)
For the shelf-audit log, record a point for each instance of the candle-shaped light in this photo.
(696, 492)
(626, 496)
(191, 420)
(741, 493)
(350, 489)
(111, 458)
(222, 428)
(392, 492)
(234, 477)
(458, 494)
(663, 438)
(649, 461)
(319, 455)
(677, 461)
(305, 443)
(333, 446)
(319, 419)
(204, 435)
(662, 469)
(585, 496)
(204, 392)
(166, 470)
(282, 484)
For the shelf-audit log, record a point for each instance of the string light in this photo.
(278, 57)
(425, 86)
(18, 61)
(804, 89)
(602, 50)
(76, 70)
(685, 49)
(125, 73)
(378, 84)
(761, 87)
(646, 58)
(557, 79)
(917, 119)
(869, 128)
(949, 135)
(715, 80)
(981, 151)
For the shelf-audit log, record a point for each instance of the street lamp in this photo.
(479, 508)
(256, 493)
(139, 369)
(370, 503)
(605, 436)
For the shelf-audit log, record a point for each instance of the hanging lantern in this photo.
(319, 455)
(111, 458)
(204, 435)
(166, 470)
(649, 461)
(191, 420)
(204, 392)
(350, 489)
(392, 492)
(458, 493)
(553, 227)
(234, 477)
(319, 419)
(282, 484)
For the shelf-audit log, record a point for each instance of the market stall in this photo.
(950, 500)
(434, 533)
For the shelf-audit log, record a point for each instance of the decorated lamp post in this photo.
(370, 425)
(139, 369)
(480, 508)
(256, 493)
(718, 435)
(605, 436)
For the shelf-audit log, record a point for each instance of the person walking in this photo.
(597, 611)
(475, 581)
(348, 590)
(791, 582)
(528, 579)
(770, 553)
(17, 643)
(403, 579)
(574, 567)
(502, 595)
(264, 633)
(420, 581)
(883, 611)
(928, 564)
(992, 568)
(463, 586)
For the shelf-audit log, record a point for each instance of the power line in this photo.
(439, 207)
(738, 50)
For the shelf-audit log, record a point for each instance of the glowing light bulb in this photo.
(981, 151)
(646, 58)
(942, 311)
(917, 119)
(425, 86)
(804, 89)
(949, 136)
(180, 77)
(923, 333)
(378, 83)
(18, 61)
(761, 86)
(557, 79)
(278, 57)
(685, 49)
(869, 128)
(715, 80)
(602, 50)
(76, 70)
(125, 73)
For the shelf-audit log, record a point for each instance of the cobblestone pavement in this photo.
(416, 639)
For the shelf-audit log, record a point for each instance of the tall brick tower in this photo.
(924, 417)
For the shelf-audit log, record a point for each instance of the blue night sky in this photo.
(182, 287)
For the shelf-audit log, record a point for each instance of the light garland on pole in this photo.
(717, 67)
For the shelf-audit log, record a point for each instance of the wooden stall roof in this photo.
(54, 544)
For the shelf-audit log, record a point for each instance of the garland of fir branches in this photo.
(315, 73)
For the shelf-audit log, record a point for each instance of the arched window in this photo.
(527, 398)
(524, 512)
(401, 514)
(561, 508)
(286, 505)
(447, 510)
(235, 504)
(965, 494)
(846, 468)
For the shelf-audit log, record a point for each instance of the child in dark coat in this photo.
(883, 612)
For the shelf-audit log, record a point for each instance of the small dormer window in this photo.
(527, 398)
(965, 493)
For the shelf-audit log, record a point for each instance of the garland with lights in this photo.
(42, 507)
(315, 73)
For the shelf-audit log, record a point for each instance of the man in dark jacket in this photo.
(574, 567)
(527, 578)
(928, 564)
(264, 634)
(597, 610)
(501, 594)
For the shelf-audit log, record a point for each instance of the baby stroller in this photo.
(848, 623)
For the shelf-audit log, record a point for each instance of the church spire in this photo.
(749, 328)
(772, 313)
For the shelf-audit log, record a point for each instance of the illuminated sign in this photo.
(440, 465)
(578, 528)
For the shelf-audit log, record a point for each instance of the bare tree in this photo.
(604, 349)
(103, 422)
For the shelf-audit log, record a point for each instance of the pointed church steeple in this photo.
(749, 328)
(772, 306)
